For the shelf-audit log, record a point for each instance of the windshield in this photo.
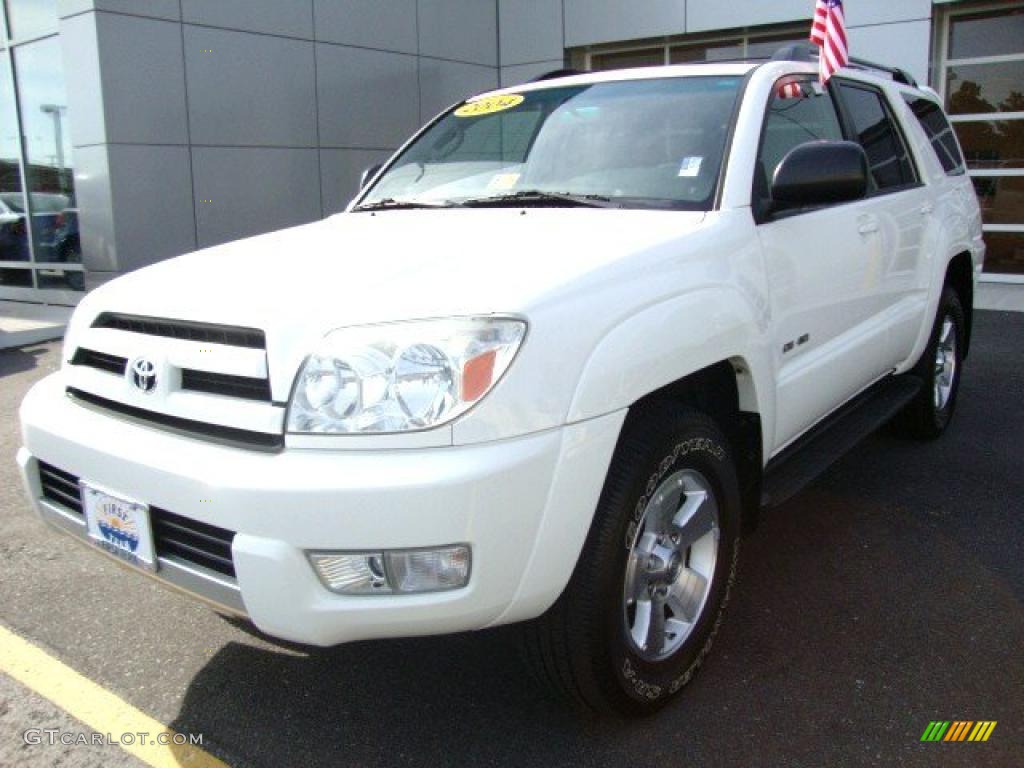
(639, 143)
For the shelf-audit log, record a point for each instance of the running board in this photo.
(801, 463)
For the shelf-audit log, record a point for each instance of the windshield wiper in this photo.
(391, 204)
(540, 197)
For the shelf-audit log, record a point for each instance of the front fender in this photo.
(672, 339)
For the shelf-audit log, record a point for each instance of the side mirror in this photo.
(368, 175)
(820, 173)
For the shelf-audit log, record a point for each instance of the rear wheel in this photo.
(648, 591)
(928, 415)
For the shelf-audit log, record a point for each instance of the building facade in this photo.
(132, 131)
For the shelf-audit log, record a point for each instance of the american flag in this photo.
(829, 33)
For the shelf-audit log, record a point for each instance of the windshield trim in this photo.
(715, 199)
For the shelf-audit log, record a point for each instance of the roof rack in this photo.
(555, 73)
(809, 52)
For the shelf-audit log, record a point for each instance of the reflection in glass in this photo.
(1005, 252)
(48, 158)
(652, 57)
(985, 88)
(719, 51)
(1001, 198)
(13, 231)
(887, 157)
(992, 143)
(32, 18)
(765, 47)
(987, 34)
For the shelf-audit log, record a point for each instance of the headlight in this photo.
(400, 377)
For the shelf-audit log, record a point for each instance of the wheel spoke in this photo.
(695, 519)
(947, 328)
(686, 595)
(667, 498)
(655, 639)
(647, 544)
(670, 564)
(641, 623)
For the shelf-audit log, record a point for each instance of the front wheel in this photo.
(927, 416)
(648, 592)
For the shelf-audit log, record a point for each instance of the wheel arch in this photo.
(726, 392)
(960, 277)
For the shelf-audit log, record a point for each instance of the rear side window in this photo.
(940, 133)
(876, 132)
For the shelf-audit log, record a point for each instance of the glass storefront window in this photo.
(13, 231)
(32, 18)
(986, 34)
(981, 72)
(652, 57)
(757, 45)
(992, 144)
(717, 51)
(1001, 198)
(983, 88)
(1005, 252)
(48, 156)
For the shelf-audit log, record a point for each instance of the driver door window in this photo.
(800, 110)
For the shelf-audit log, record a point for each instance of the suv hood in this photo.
(360, 268)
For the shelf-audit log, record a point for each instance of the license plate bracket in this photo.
(119, 526)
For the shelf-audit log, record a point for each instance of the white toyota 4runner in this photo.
(546, 368)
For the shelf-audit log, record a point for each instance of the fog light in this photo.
(399, 571)
(355, 574)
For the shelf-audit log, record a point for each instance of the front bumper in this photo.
(524, 506)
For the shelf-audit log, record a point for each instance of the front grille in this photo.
(60, 487)
(101, 360)
(242, 438)
(191, 540)
(225, 384)
(212, 333)
(173, 535)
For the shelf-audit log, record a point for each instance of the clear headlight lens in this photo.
(399, 377)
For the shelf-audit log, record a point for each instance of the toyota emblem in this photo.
(144, 375)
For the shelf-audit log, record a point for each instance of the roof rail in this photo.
(555, 73)
(810, 53)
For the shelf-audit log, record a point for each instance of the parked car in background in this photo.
(54, 228)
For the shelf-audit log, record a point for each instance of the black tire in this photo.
(582, 645)
(925, 418)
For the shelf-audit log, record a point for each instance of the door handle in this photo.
(867, 225)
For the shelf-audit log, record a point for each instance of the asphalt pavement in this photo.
(887, 595)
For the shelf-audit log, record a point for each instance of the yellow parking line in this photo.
(97, 707)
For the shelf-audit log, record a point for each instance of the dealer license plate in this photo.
(119, 526)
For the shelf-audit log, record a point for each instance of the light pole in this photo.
(56, 111)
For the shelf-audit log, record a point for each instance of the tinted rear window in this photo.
(877, 134)
(940, 133)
